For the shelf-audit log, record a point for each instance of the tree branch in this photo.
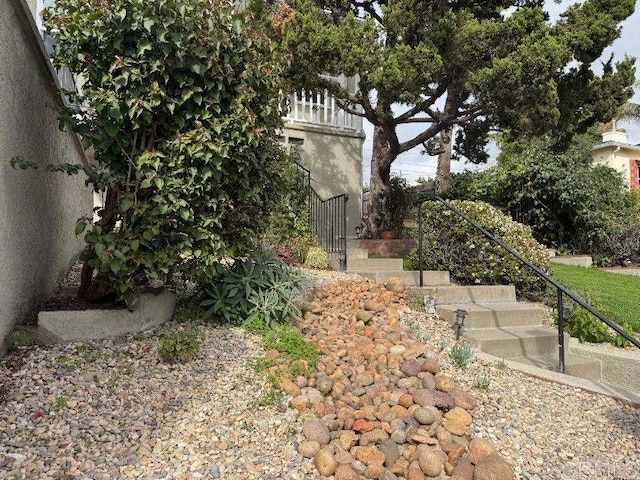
(423, 106)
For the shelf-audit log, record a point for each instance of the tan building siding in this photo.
(38, 210)
(334, 158)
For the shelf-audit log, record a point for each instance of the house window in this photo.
(634, 171)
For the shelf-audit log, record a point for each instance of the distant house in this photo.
(331, 143)
(617, 153)
(38, 210)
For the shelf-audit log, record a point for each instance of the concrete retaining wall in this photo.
(619, 367)
(38, 210)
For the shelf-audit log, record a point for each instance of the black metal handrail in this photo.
(328, 220)
(560, 289)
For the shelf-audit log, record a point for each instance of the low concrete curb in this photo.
(614, 391)
(576, 260)
(80, 325)
(619, 367)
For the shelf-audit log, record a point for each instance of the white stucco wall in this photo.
(618, 159)
(334, 158)
(38, 210)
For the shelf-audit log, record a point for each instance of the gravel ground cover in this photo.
(110, 409)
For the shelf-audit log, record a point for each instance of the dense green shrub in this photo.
(181, 106)
(569, 204)
(450, 243)
(401, 198)
(260, 288)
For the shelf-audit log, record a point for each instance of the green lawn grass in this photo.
(614, 293)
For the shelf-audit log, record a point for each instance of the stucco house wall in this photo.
(38, 210)
(334, 158)
(615, 152)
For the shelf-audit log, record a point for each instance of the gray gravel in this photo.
(110, 409)
(546, 430)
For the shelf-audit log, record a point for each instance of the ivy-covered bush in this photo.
(258, 289)
(181, 106)
(289, 215)
(450, 243)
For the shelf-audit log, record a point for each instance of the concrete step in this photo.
(494, 315)
(515, 341)
(471, 294)
(430, 277)
(373, 264)
(574, 365)
(353, 253)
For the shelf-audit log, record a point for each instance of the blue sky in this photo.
(413, 164)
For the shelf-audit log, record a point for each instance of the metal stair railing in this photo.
(559, 288)
(328, 220)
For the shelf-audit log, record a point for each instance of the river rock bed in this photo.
(111, 409)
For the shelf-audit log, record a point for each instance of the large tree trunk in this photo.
(444, 160)
(380, 188)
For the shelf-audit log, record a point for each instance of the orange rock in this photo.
(459, 414)
(400, 411)
(300, 402)
(455, 427)
(374, 471)
(480, 448)
(406, 400)
(362, 425)
(415, 472)
(369, 455)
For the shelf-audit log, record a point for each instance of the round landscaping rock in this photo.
(325, 462)
(431, 462)
(309, 449)
(480, 448)
(346, 472)
(411, 367)
(493, 467)
(395, 285)
(432, 398)
(315, 429)
(424, 415)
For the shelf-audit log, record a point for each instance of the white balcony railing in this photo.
(319, 108)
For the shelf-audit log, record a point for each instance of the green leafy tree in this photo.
(476, 66)
(568, 203)
(180, 105)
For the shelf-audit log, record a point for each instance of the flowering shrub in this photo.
(316, 258)
(450, 243)
(181, 344)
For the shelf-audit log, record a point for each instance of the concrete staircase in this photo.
(496, 322)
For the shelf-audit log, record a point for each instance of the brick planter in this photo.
(389, 248)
